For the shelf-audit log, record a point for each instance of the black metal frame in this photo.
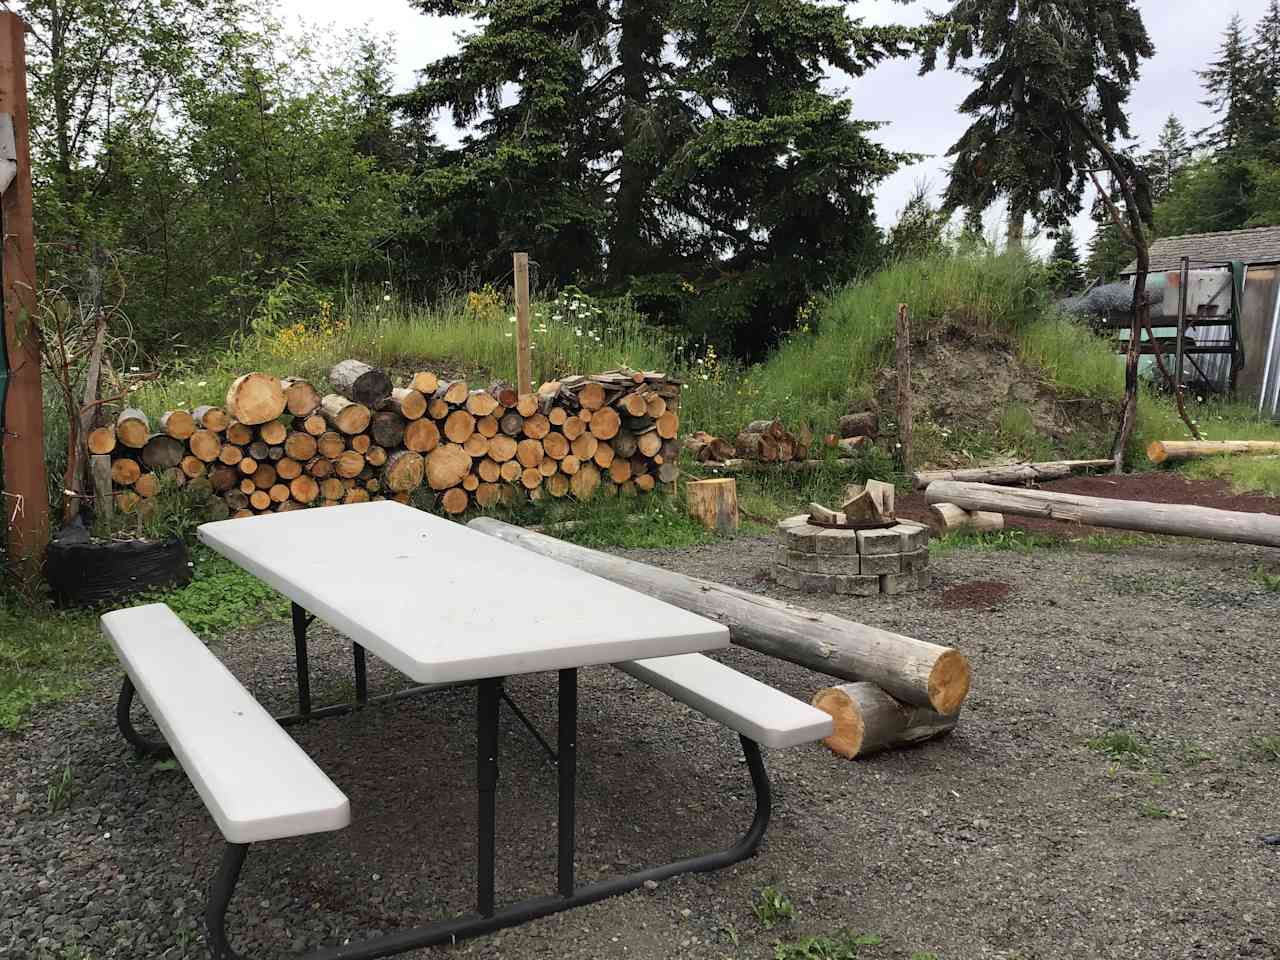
(487, 916)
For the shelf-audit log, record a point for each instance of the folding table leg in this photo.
(567, 759)
(488, 699)
(362, 675)
(300, 623)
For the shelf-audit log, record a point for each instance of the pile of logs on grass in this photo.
(900, 691)
(280, 445)
(764, 441)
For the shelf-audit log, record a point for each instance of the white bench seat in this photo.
(257, 783)
(754, 709)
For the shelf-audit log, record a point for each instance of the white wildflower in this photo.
(511, 319)
(203, 383)
(557, 316)
(508, 336)
(386, 296)
(133, 369)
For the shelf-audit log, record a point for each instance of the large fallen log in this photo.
(1161, 450)
(739, 465)
(1012, 473)
(913, 671)
(866, 719)
(1175, 519)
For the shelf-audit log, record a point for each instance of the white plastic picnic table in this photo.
(446, 605)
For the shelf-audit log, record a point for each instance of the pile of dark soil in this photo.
(975, 595)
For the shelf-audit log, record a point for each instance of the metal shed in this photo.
(1241, 352)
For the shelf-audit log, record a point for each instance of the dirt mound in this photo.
(976, 400)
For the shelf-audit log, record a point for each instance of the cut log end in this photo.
(949, 681)
(865, 720)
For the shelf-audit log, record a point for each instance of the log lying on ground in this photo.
(913, 671)
(739, 465)
(1161, 450)
(1174, 519)
(947, 517)
(866, 720)
(1012, 473)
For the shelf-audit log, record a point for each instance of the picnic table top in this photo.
(442, 603)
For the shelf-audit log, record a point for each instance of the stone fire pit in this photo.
(814, 558)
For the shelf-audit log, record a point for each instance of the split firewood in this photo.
(362, 383)
(947, 517)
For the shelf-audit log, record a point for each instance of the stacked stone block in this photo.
(817, 559)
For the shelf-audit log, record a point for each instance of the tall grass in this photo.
(812, 377)
(466, 336)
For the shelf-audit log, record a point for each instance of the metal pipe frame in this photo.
(487, 917)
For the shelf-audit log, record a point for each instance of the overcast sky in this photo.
(920, 110)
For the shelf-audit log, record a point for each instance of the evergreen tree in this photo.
(1052, 82)
(1064, 262)
(1171, 154)
(660, 138)
(1228, 85)
(1264, 53)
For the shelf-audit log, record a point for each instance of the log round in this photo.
(446, 465)
(1174, 519)
(255, 398)
(865, 719)
(344, 415)
(300, 398)
(409, 403)
(361, 382)
(210, 418)
(162, 451)
(421, 436)
(178, 424)
(133, 428)
(914, 671)
(403, 471)
(948, 517)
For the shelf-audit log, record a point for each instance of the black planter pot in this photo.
(82, 572)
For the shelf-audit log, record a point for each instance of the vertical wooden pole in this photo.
(26, 506)
(1184, 278)
(524, 359)
(904, 387)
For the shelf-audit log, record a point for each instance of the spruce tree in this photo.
(635, 142)
(1051, 84)
(1170, 156)
(1064, 262)
(1264, 53)
(1227, 83)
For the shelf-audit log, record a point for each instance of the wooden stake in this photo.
(26, 508)
(524, 358)
(904, 386)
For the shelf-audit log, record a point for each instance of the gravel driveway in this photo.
(1012, 838)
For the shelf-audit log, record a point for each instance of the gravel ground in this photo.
(1009, 839)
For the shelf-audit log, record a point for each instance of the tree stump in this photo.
(714, 503)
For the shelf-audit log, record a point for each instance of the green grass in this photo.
(773, 907)
(842, 946)
(47, 654)
(1122, 746)
(1266, 748)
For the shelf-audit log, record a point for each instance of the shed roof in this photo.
(1256, 245)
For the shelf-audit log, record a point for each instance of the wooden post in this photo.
(26, 506)
(904, 386)
(100, 469)
(1184, 276)
(524, 359)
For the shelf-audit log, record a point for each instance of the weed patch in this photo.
(842, 946)
(1121, 746)
(772, 908)
(1266, 749)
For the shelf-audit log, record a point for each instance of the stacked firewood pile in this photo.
(280, 445)
(766, 441)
